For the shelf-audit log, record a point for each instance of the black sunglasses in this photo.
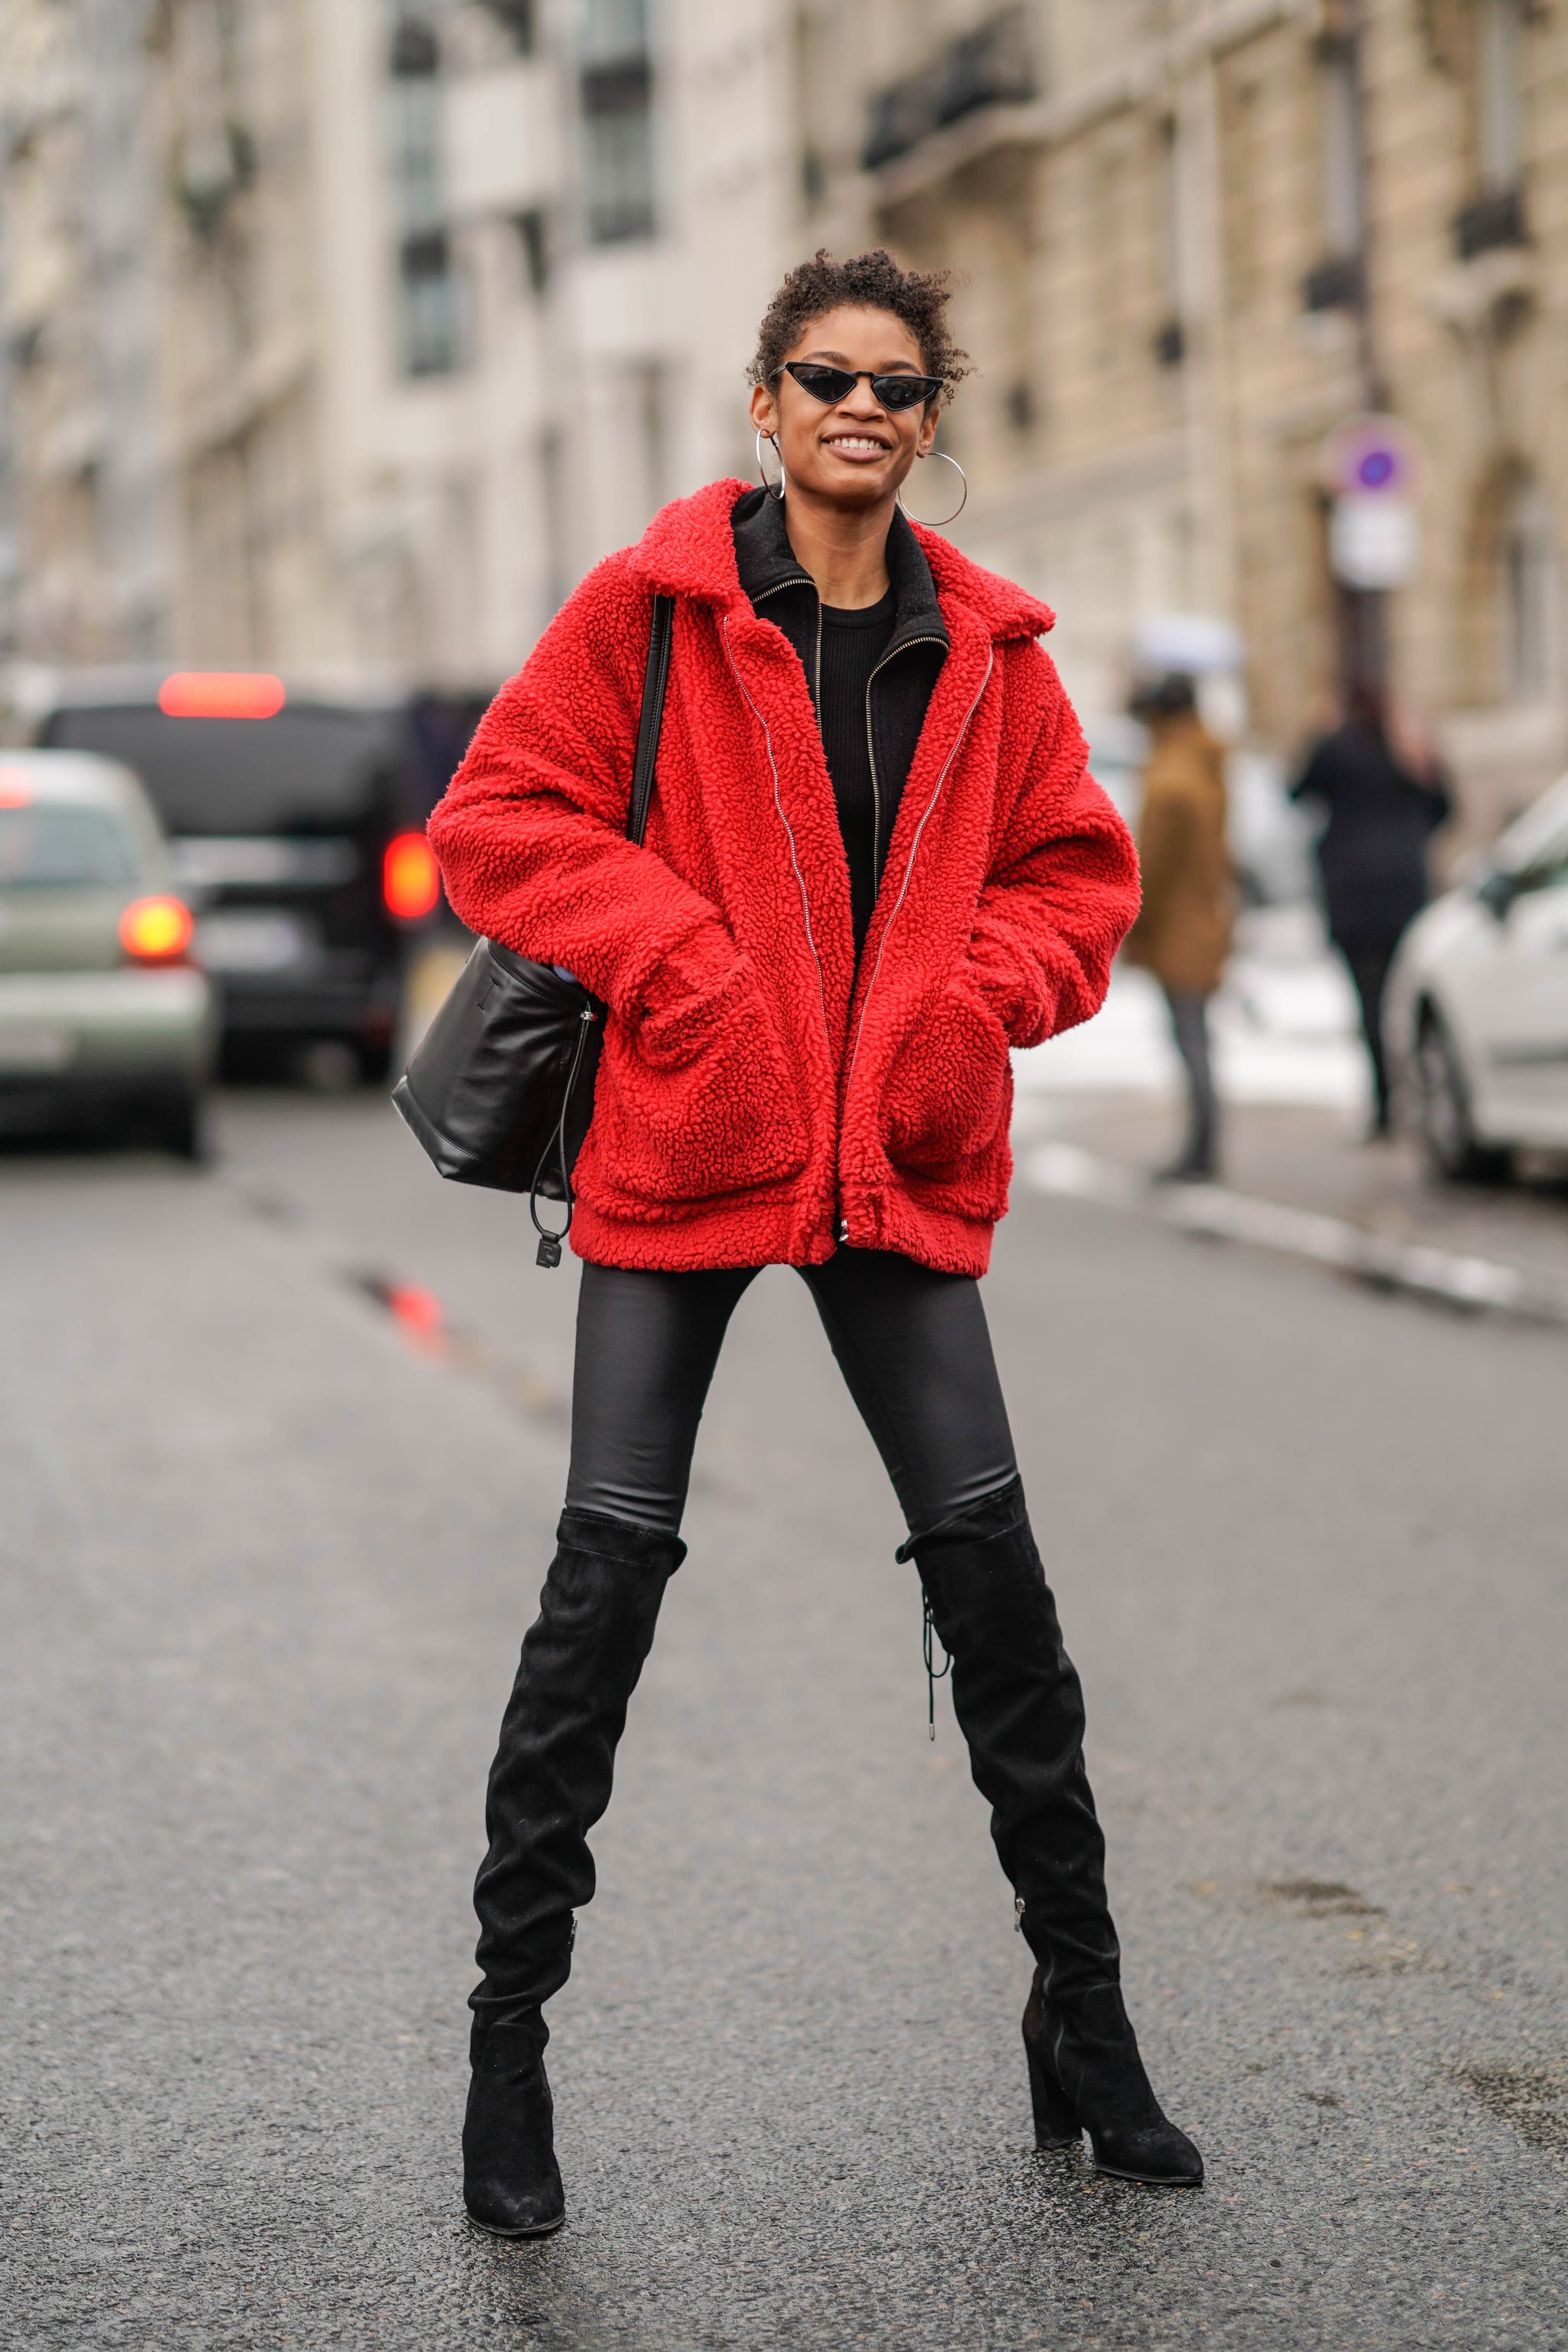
(831, 383)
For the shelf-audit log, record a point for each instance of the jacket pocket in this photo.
(950, 1090)
(693, 1102)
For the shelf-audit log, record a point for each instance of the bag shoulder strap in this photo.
(652, 720)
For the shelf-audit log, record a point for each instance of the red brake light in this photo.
(221, 694)
(16, 788)
(156, 931)
(410, 877)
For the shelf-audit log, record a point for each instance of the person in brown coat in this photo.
(1183, 934)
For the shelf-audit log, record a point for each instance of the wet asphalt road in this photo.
(266, 1560)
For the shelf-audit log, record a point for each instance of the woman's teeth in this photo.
(855, 445)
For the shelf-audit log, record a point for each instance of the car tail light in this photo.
(16, 788)
(410, 877)
(156, 931)
(221, 694)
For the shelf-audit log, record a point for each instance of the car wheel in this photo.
(184, 1128)
(1452, 1145)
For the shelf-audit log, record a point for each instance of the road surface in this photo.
(267, 1550)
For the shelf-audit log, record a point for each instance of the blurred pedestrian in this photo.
(1183, 931)
(1382, 796)
(876, 862)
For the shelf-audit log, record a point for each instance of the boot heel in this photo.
(1056, 2125)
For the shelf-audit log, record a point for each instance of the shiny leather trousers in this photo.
(916, 1356)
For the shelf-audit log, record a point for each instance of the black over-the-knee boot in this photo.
(549, 1784)
(1020, 1707)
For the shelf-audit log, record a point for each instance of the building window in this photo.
(615, 86)
(1495, 215)
(1170, 343)
(520, 20)
(1336, 280)
(534, 237)
(429, 319)
(1531, 585)
(1500, 93)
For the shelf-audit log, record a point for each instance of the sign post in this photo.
(1370, 466)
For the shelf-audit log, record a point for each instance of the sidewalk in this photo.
(1292, 1076)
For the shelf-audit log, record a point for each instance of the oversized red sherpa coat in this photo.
(759, 1099)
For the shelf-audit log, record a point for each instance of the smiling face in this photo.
(854, 453)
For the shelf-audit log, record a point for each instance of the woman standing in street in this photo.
(1381, 805)
(1183, 931)
(875, 862)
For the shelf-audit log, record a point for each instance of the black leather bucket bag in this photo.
(500, 1089)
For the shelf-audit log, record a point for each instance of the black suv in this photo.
(297, 823)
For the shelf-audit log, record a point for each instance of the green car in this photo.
(105, 1021)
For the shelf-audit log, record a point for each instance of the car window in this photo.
(55, 845)
(306, 770)
(1549, 875)
(1536, 843)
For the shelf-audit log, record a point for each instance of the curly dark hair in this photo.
(867, 281)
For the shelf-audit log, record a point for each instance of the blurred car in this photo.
(104, 1019)
(296, 816)
(1476, 1008)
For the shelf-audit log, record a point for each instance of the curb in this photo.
(1414, 1268)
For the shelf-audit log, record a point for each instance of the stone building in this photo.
(440, 300)
(354, 330)
(1195, 234)
(85, 544)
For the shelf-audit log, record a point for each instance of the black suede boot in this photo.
(1085, 2074)
(1020, 1707)
(511, 2182)
(549, 1784)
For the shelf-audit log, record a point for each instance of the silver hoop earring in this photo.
(774, 490)
(962, 502)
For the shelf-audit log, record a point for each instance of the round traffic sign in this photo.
(1370, 457)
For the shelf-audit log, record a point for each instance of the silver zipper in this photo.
(871, 755)
(778, 803)
(778, 588)
(908, 870)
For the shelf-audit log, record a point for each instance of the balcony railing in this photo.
(1336, 284)
(991, 66)
(1490, 221)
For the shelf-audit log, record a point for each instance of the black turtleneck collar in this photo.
(768, 564)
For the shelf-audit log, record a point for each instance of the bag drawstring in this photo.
(927, 1645)
(549, 1254)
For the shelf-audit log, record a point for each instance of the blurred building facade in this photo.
(1196, 235)
(440, 299)
(355, 331)
(85, 545)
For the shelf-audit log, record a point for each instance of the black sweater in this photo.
(871, 674)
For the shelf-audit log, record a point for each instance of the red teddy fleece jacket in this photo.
(762, 1098)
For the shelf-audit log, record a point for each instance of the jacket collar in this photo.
(767, 564)
(692, 548)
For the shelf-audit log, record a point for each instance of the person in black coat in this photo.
(1382, 810)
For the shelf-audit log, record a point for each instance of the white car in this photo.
(1476, 1010)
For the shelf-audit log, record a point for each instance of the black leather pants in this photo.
(916, 1356)
(913, 1345)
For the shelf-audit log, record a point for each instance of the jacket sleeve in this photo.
(530, 833)
(1062, 891)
